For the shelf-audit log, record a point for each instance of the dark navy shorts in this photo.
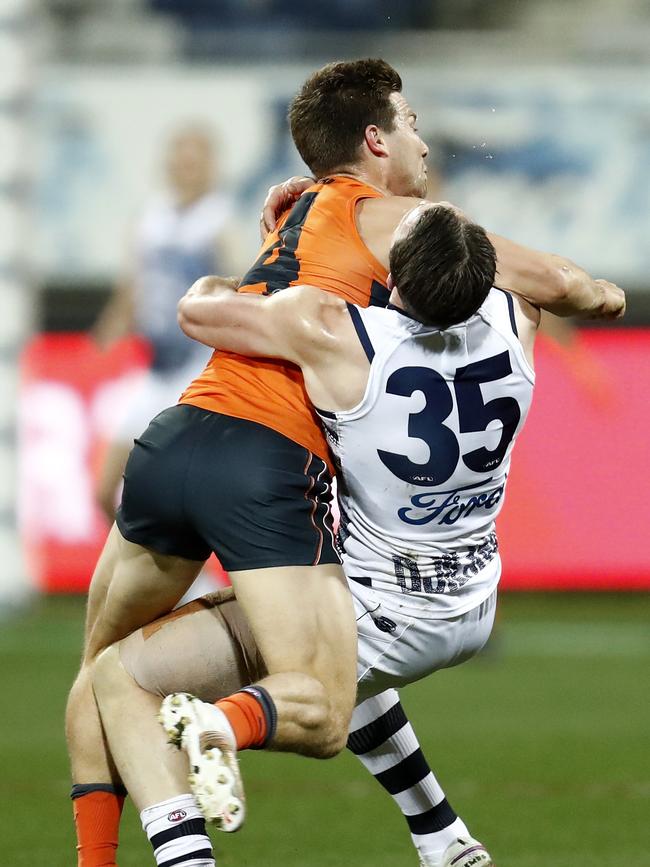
(197, 481)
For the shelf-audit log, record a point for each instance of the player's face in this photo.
(190, 165)
(408, 169)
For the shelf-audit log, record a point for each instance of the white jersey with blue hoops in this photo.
(423, 459)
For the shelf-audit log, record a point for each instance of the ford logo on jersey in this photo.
(447, 507)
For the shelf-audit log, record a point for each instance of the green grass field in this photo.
(541, 744)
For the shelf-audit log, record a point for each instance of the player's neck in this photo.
(366, 177)
(395, 300)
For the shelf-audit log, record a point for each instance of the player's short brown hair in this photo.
(329, 114)
(444, 268)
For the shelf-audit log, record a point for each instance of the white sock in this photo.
(432, 846)
(176, 830)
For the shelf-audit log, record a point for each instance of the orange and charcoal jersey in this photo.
(316, 243)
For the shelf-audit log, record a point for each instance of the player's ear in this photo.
(376, 141)
(390, 283)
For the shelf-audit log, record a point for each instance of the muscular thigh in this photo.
(136, 585)
(206, 648)
(303, 621)
(100, 581)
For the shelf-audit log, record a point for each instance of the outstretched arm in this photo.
(544, 279)
(547, 280)
(555, 283)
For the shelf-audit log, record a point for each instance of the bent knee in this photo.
(329, 732)
(331, 748)
(339, 731)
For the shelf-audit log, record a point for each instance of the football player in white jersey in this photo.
(422, 403)
(181, 234)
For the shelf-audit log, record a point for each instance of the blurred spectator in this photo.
(180, 236)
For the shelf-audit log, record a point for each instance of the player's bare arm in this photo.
(547, 280)
(544, 279)
(555, 283)
(117, 318)
(277, 326)
(302, 324)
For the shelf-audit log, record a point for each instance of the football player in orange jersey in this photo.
(241, 467)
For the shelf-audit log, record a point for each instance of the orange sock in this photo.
(251, 713)
(97, 820)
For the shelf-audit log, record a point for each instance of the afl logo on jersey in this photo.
(177, 816)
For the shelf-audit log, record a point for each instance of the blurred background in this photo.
(137, 141)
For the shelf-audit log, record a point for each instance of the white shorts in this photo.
(397, 648)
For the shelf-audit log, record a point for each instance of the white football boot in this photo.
(204, 733)
(466, 852)
(463, 852)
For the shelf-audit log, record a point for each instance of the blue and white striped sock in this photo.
(176, 830)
